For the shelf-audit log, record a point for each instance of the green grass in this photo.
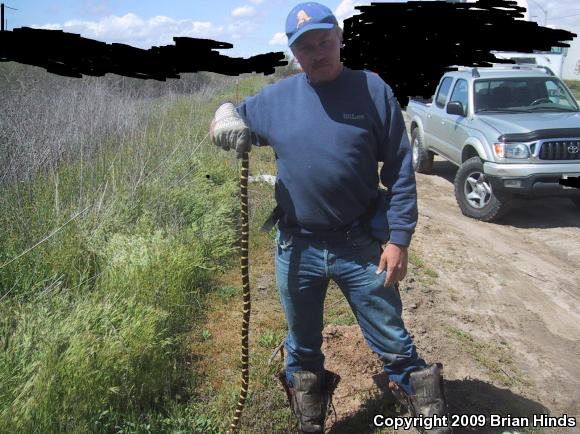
(96, 321)
(495, 357)
(574, 86)
(270, 338)
(425, 272)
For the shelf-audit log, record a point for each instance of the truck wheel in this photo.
(474, 194)
(422, 159)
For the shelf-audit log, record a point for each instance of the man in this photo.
(329, 128)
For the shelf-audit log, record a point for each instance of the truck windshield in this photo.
(522, 94)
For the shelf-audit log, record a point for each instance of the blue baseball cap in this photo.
(308, 16)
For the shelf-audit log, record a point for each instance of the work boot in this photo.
(429, 397)
(310, 397)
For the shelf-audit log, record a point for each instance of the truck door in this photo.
(454, 131)
(435, 124)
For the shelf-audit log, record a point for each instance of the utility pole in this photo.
(2, 6)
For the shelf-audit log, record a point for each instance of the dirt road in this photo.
(502, 312)
(516, 281)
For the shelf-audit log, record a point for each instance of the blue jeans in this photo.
(304, 267)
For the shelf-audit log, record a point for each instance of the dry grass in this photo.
(49, 120)
(94, 320)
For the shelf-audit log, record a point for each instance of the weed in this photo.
(226, 292)
(270, 339)
(415, 259)
(429, 274)
(495, 358)
(94, 318)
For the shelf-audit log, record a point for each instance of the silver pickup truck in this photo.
(511, 130)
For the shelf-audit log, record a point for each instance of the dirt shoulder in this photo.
(501, 309)
(515, 283)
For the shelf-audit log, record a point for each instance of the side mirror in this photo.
(455, 108)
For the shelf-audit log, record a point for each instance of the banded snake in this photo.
(246, 292)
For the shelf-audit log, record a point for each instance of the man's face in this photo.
(318, 52)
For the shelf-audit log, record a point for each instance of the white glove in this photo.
(229, 131)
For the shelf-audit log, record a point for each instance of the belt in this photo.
(337, 235)
(341, 234)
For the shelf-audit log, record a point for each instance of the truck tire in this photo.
(422, 158)
(474, 193)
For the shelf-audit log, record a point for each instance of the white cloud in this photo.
(243, 11)
(48, 27)
(279, 38)
(240, 29)
(346, 9)
(250, 31)
(133, 30)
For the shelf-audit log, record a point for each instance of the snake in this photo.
(245, 270)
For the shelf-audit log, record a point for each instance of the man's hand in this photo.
(394, 259)
(229, 131)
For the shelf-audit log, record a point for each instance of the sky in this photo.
(252, 26)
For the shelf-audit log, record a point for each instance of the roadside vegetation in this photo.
(120, 303)
(117, 216)
(574, 86)
(120, 295)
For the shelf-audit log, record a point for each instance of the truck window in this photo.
(441, 97)
(557, 94)
(522, 94)
(460, 94)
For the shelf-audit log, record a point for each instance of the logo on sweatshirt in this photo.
(352, 116)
